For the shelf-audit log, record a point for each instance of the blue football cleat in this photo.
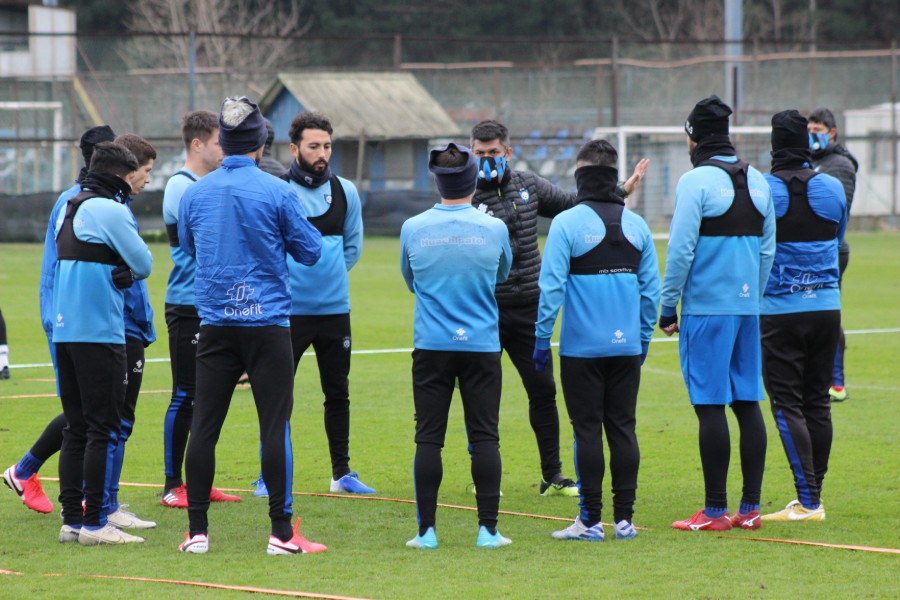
(261, 490)
(350, 484)
(491, 541)
(424, 542)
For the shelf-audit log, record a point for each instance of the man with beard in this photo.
(320, 305)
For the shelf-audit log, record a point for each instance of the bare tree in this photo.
(242, 38)
(670, 20)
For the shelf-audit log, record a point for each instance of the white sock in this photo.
(4, 356)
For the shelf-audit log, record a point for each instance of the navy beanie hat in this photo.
(709, 117)
(789, 130)
(92, 137)
(454, 183)
(242, 128)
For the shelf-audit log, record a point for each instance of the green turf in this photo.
(367, 557)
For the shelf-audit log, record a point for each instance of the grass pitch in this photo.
(367, 557)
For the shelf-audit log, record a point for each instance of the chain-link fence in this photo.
(551, 94)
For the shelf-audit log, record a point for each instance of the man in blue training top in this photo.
(721, 246)
(200, 133)
(600, 265)
(320, 294)
(99, 254)
(22, 477)
(239, 223)
(139, 333)
(451, 257)
(801, 311)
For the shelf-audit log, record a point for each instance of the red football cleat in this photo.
(700, 522)
(175, 498)
(29, 490)
(750, 520)
(217, 495)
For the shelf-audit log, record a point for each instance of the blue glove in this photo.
(645, 348)
(643, 358)
(541, 357)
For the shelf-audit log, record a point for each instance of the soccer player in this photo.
(320, 294)
(4, 349)
(238, 223)
(801, 311)
(517, 198)
(22, 477)
(600, 265)
(721, 246)
(451, 257)
(200, 134)
(99, 254)
(831, 157)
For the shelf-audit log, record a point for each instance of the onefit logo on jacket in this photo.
(59, 321)
(460, 335)
(620, 337)
(240, 293)
(745, 291)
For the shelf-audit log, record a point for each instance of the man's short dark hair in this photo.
(140, 147)
(597, 153)
(449, 158)
(200, 125)
(490, 130)
(823, 116)
(113, 159)
(308, 120)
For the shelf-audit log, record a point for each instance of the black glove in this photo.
(666, 321)
(122, 277)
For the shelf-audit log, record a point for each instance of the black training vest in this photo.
(172, 228)
(614, 254)
(800, 223)
(741, 218)
(69, 247)
(331, 222)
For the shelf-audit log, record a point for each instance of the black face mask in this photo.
(712, 145)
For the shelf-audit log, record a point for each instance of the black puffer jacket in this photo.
(836, 160)
(518, 201)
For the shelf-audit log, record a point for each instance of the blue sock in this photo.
(28, 466)
(714, 512)
(811, 506)
(748, 508)
(92, 527)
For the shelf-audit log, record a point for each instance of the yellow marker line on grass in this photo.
(818, 544)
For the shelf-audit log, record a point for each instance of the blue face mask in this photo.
(818, 141)
(491, 169)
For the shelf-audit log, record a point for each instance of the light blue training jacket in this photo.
(452, 257)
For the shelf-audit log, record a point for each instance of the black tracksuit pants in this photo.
(434, 375)
(798, 353)
(601, 395)
(183, 324)
(329, 335)
(517, 340)
(92, 385)
(223, 355)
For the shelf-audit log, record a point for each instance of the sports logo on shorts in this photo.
(138, 367)
(196, 338)
(346, 343)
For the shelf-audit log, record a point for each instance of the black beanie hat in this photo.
(789, 130)
(245, 136)
(92, 137)
(454, 183)
(709, 117)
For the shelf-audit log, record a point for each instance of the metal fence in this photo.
(552, 94)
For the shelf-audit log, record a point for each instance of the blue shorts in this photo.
(721, 358)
